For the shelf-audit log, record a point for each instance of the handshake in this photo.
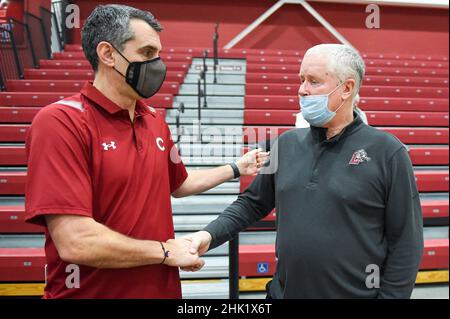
(185, 252)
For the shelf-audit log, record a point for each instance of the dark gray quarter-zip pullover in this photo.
(346, 207)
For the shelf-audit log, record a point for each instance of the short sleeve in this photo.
(177, 170)
(58, 179)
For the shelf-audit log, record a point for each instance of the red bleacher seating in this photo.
(293, 80)
(435, 209)
(435, 257)
(70, 86)
(367, 104)
(46, 98)
(419, 135)
(254, 59)
(421, 155)
(408, 135)
(12, 218)
(78, 55)
(86, 75)
(15, 155)
(70, 55)
(12, 155)
(236, 52)
(16, 133)
(270, 117)
(22, 264)
(14, 114)
(366, 91)
(12, 183)
(432, 181)
(26, 114)
(382, 118)
(84, 65)
(377, 118)
(27, 264)
(427, 181)
(13, 132)
(370, 71)
(395, 56)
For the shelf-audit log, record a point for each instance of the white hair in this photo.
(356, 100)
(344, 62)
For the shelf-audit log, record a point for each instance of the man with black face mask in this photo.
(102, 167)
(147, 77)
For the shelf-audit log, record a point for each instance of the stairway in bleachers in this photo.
(224, 105)
(402, 94)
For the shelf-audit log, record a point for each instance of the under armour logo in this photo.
(112, 145)
(359, 157)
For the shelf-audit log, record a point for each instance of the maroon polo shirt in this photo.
(86, 158)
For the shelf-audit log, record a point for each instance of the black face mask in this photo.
(146, 78)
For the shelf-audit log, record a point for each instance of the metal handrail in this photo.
(2, 84)
(216, 51)
(13, 21)
(17, 63)
(59, 9)
(199, 107)
(203, 77)
(180, 111)
(53, 23)
(44, 33)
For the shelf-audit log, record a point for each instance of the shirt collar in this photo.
(94, 95)
(319, 133)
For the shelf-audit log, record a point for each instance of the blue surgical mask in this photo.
(315, 108)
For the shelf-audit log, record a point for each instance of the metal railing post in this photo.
(180, 111)
(58, 34)
(203, 76)
(233, 256)
(16, 53)
(200, 94)
(33, 52)
(216, 51)
(29, 39)
(2, 85)
(46, 36)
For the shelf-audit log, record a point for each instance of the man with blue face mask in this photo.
(349, 220)
(302, 123)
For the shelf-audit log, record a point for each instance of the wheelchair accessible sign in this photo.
(263, 268)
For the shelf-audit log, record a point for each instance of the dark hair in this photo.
(111, 23)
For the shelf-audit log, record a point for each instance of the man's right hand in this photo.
(199, 245)
(200, 242)
(180, 255)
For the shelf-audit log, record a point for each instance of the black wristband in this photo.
(236, 171)
(166, 253)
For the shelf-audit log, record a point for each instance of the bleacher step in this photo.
(217, 90)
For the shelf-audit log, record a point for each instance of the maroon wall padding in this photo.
(403, 29)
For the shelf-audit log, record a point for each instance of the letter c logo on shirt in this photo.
(160, 144)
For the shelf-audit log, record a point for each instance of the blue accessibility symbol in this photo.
(263, 268)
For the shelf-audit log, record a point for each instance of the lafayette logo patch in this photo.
(359, 157)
